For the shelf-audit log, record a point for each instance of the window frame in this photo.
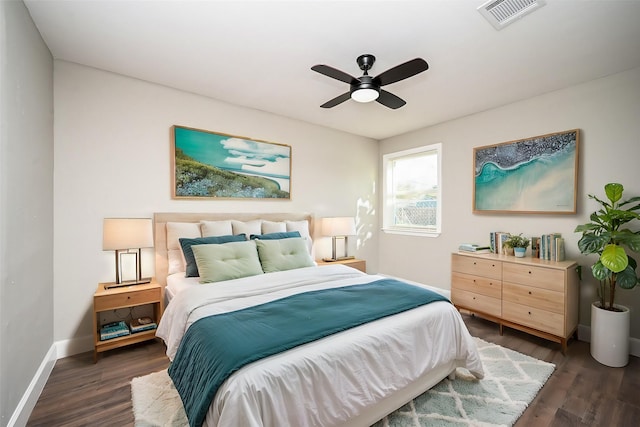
(388, 198)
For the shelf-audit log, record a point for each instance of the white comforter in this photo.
(330, 381)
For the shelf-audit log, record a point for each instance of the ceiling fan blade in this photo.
(390, 100)
(337, 100)
(334, 73)
(402, 71)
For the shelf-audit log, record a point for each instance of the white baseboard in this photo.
(30, 397)
(74, 346)
(584, 334)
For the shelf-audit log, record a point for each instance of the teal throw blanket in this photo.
(215, 347)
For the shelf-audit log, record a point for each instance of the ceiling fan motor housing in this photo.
(365, 82)
(365, 62)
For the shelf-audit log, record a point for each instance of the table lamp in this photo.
(338, 228)
(127, 236)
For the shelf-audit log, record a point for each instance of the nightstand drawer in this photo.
(477, 266)
(535, 318)
(540, 277)
(476, 302)
(534, 297)
(477, 284)
(126, 299)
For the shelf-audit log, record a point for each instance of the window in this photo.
(411, 191)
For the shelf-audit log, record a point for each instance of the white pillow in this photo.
(273, 227)
(248, 228)
(216, 228)
(176, 230)
(301, 227)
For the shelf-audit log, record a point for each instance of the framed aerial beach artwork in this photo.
(537, 175)
(209, 165)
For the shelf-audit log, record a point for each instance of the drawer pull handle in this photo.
(474, 263)
(529, 272)
(529, 292)
(529, 313)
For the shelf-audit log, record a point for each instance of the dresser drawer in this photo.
(476, 302)
(477, 266)
(540, 277)
(477, 284)
(126, 299)
(535, 318)
(533, 297)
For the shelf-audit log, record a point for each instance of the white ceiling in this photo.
(258, 54)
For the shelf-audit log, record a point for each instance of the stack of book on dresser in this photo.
(549, 247)
(473, 248)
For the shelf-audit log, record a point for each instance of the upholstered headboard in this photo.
(160, 230)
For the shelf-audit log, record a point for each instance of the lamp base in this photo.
(344, 258)
(127, 283)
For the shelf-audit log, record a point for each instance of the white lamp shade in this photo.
(126, 233)
(339, 226)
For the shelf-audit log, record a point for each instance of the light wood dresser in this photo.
(532, 295)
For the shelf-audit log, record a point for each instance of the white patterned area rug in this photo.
(511, 382)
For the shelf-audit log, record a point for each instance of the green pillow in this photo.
(283, 254)
(191, 268)
(233, 260)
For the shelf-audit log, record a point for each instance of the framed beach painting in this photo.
(537, 175)
(209, 165)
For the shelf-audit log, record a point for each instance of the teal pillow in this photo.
(276, 236)
(191, 269)
(227, 261)
(283, 254)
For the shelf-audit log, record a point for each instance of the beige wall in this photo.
(112, 159)
(26, 205)
(607, 112)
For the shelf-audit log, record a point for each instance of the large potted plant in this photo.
(604, 236)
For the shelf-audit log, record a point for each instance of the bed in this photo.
(352, 377)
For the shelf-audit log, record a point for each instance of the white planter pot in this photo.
(519, 252)
(610, 335)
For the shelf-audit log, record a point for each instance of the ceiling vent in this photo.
(501, 13)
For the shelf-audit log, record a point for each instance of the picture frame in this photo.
(537, 175)
(210, 165)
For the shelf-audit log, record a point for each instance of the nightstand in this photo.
(125, 297)
(358, 264)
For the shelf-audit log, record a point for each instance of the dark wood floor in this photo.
(581, 392)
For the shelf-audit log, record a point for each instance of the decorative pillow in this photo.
(216, 228)
(175, 230)
(276, 236)
(283, 254)
(191, 269)
(273, 227)
(248, 228)
(227, 261)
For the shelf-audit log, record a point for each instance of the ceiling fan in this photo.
(367, 88)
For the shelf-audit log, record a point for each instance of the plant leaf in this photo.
(600, 272)
(592, 244)
(627, 278)
(613, 191)
(614, 258)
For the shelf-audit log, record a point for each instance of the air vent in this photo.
(501, 13)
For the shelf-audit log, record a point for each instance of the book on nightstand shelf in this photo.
(142, 324)
(113, 330)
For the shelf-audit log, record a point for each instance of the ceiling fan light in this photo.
(365, 95)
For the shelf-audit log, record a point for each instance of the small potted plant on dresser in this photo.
(518, 243)
(603, 235)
